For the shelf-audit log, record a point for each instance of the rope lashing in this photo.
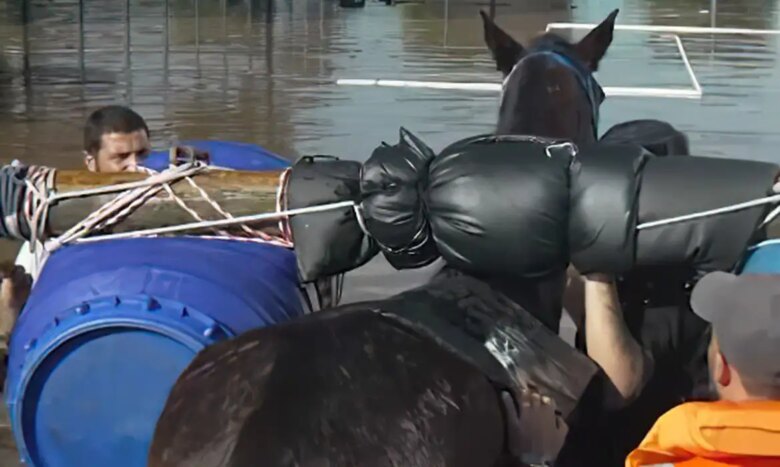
(27, 194)
(772, 199)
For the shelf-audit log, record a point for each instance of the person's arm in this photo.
(610, 343)
(574, 297)
(14, 290)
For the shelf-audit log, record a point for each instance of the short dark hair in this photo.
(332, 389)
(110, 119)
(764, 390)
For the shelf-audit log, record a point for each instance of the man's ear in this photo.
(722, 370)
(90, 162)
(506, 51)
(592, 47)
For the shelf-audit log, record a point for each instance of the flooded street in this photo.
(265, 72)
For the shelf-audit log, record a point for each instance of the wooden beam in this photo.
(239, 193)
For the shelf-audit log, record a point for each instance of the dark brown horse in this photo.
(549, 88)
(352, 387)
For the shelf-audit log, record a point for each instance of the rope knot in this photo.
(393, 182)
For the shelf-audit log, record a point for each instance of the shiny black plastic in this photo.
(329, 242)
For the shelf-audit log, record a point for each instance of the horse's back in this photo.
(658, 137)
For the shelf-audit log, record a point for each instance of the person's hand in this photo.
(14, 291)
(535, 430)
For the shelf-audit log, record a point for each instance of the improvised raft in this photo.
(495, 209)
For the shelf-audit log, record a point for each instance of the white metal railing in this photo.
(668, 29)
(695, 92)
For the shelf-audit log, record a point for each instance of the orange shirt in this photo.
(713, 434)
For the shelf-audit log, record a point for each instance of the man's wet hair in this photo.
(330, 390)
(110, 119)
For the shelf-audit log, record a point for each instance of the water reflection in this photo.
(262, 71)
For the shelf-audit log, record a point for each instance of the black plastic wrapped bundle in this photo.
(525, 207)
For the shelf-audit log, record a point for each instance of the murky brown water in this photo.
(264, 72)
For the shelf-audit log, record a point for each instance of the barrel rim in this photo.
(195, 334)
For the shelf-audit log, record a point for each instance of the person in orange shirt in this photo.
(741, 428)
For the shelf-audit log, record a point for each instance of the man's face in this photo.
(120, 152)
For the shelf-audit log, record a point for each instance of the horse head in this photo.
(549, 89)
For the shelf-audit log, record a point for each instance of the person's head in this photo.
(116, 139)
(744, 312)
(333, 389)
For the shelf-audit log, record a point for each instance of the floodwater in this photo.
(265, 71)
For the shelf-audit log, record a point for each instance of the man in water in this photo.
(116, 139)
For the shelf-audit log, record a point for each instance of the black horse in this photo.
(405, 381)
(549, 89)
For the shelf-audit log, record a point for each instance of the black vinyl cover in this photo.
(517, 206)
(392, 184)
(658, 137)
(498, 205)
(511, 347)
(684, 185)
(328, 242)
(461, 316)
(604, 191)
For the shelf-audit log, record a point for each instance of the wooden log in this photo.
(237, 192)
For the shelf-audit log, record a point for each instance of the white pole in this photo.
(688, 67)
(614, 91)
(446, 20)
(673, 29)
(713, 12)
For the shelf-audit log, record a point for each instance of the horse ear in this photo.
(593, 46)
(506, 51)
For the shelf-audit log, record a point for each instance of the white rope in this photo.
(284, 242)
(115, 210)
(222, 222)
(712, 212)
(29, 208)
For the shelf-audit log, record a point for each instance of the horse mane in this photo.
(550, 41)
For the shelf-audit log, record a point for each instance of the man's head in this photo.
(116, 139)
(745, 315)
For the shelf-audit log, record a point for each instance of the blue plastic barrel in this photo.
(763, 258)
(110, 326)
(237, 156)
